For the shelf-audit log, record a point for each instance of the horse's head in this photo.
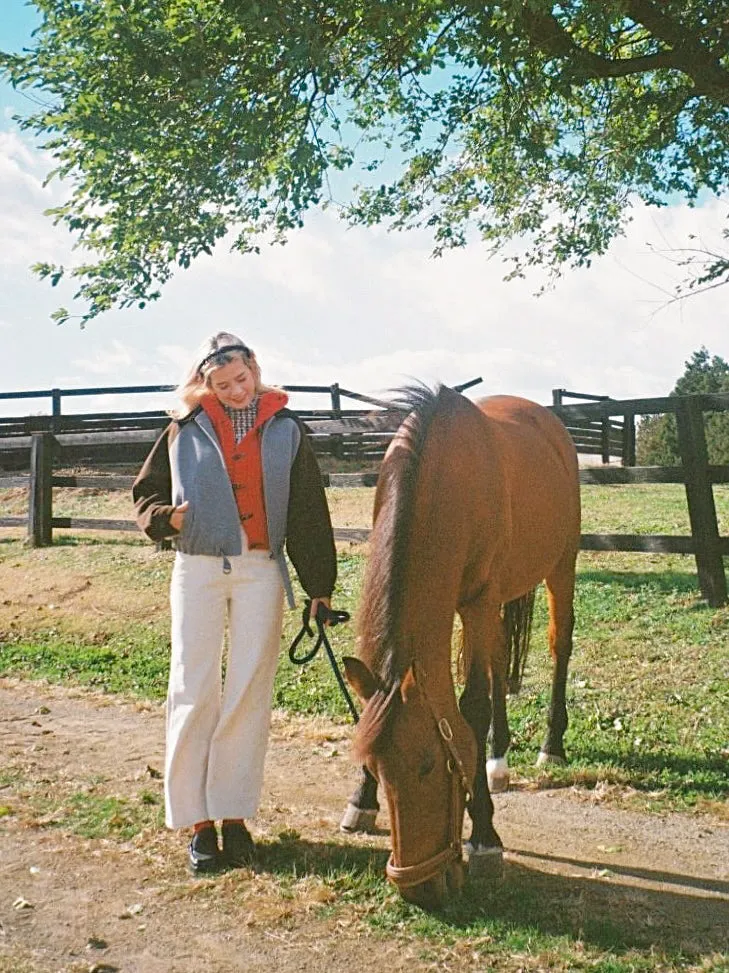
(423, 753)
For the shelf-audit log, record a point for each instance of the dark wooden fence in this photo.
(113, 438)
(606, 437)
(695, 473)
(41, 451)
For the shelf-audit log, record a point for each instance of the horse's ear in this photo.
(408, 685)
(359, 677)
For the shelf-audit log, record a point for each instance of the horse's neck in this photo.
(416, 573)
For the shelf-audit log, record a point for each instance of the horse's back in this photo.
(539, 464)
(529, 425)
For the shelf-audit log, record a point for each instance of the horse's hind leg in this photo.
(497, 767)
(560, 598)
(362, 808)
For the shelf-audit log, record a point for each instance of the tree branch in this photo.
(684, 52)
(692, 56)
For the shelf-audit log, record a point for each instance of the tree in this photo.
(657, 437)
(180, 122)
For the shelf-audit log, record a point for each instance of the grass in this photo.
(648, 692)
(530, 921)
(648, 698)
(92, 815)
(80, 804)
(649, 710)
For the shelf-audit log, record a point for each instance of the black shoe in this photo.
(204, 852)
(238, 848)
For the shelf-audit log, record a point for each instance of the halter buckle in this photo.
(444, 728)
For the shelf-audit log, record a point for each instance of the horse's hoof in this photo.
(357, 819)
(497, 775)
(485, 863)
(543, 759)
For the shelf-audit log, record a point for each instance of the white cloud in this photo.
(366, 309)
(109, 361)
(178, 356)
(26, 235)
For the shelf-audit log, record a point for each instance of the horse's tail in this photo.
(518, 616)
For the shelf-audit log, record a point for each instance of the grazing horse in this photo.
(475, 505)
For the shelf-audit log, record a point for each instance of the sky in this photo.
(368, 309)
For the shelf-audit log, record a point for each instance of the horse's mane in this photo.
(386, 576)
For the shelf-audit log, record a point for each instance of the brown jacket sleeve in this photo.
(309, 536)
(152, 492)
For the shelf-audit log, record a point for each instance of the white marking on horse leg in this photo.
(484, 862)
(497, 774)
(355, 819)
(543, 759)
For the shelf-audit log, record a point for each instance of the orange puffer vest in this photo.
(243, 463)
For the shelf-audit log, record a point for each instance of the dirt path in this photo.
(70, 904)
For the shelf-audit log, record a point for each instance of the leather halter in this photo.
(407, 876)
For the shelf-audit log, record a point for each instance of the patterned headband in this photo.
(221, 351)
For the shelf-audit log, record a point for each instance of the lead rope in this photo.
(324, 616)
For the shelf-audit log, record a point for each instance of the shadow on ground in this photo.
(686, 916)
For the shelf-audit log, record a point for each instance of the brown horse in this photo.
(475, 505)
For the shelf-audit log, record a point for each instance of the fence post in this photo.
(557, 396)
(336, 399)
(628, 439)
(700, 497)
(40, 495)
(336, 443)
(605, 439)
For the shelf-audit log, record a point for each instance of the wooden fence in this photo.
(606, 437)
(112, 438)
(100, 448)
(695, 473)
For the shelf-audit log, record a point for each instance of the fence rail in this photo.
(363, 435)
(600, 436)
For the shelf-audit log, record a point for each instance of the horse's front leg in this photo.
(484, 846)
(362, 808)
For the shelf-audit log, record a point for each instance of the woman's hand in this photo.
(177, 517)
(315, 602)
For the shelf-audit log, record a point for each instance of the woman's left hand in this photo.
(315, 602)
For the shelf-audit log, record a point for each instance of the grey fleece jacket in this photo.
(187, 463)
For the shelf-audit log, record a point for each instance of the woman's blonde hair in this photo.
(217, 350)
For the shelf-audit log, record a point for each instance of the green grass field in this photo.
(648, 698)
(648, 687)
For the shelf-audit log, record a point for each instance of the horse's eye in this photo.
(426, 765)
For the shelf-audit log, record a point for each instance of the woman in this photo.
(232, 481)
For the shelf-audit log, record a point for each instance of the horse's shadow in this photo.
(666, 582)
(294, 857)
(595, 905)
(706, 774)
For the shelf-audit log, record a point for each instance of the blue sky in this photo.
(359, 306)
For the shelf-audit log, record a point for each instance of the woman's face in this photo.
(234, 384)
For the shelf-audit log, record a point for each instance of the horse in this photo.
(476, 504)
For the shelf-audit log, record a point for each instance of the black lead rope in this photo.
(323, 615)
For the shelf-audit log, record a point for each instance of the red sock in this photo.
(201, 825)
(234, 821)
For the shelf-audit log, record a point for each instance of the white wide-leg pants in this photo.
(217, 734)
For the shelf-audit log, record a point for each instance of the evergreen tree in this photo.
(657, 438)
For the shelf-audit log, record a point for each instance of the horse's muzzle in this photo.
(433, 893)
